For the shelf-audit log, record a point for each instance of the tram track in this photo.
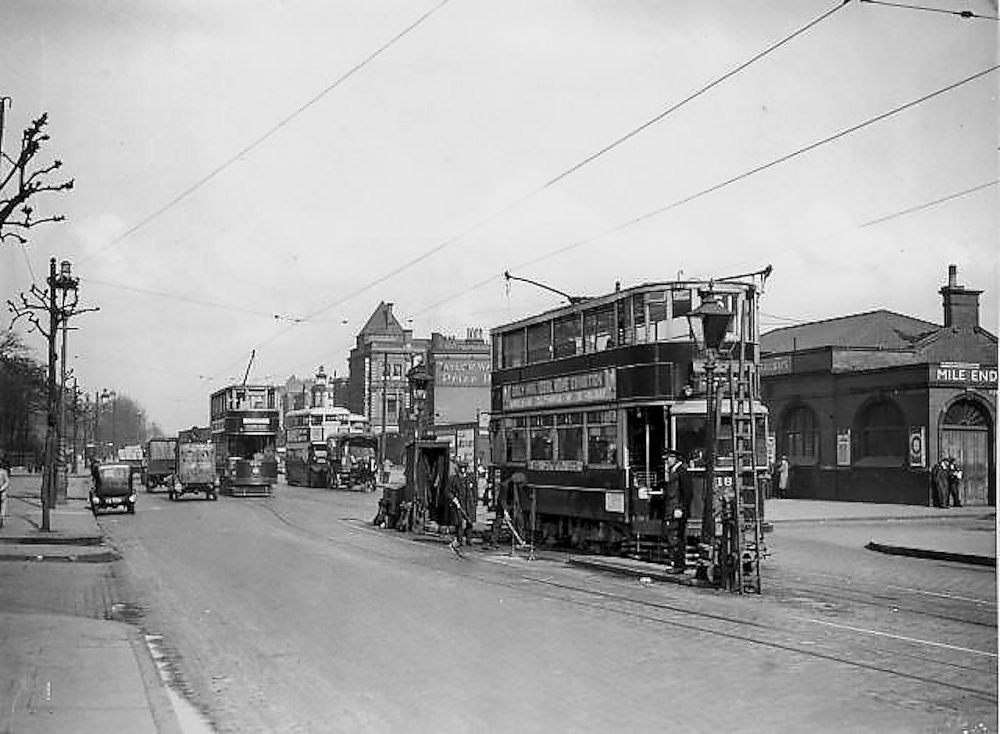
(723, 626)
(956, 611)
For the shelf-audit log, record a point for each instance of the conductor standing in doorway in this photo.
(677, 493)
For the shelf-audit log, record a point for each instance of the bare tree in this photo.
(24, 180)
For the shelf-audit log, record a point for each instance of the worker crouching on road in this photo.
(677, 491)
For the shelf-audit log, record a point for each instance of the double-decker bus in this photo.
(306, 433)
(588, 396)
(244, 423)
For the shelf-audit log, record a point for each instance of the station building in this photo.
(864, 405)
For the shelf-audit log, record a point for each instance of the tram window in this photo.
(540, 342)
(316, 420)
(625, 333)
(659, 315)
(513, 348)
(569, 436)
(602, 437)
(567, 339)
(599, 329)
(542, 434)
(516, 436)
(639, 318)
(690, 434)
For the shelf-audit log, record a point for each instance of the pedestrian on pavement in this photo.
(677, 492)
(954, 484)
(782, 471)
(939, 482)
(4, 488)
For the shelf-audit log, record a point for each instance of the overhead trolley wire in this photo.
(590, 158)
(740, 177)
(694, 95)
(960, 13)
(928, 204)
(454, 238)
(270, 132)
(765, 166)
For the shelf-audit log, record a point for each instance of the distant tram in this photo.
(307, 431)
(244, 431)
(586, 398)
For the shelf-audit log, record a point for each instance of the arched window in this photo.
(800, 435)
(881, 432)
(966, 414)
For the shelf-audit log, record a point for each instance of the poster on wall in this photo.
(918, 447)
(844, 447)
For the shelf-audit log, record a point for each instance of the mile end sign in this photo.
(966, 374)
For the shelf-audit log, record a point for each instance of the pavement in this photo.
(49, 663)
(62, 673)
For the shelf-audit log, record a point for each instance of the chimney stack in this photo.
(961, 305)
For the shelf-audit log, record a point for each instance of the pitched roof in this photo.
(382, 321)
(880, 329)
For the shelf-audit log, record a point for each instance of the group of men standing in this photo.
(946, 479)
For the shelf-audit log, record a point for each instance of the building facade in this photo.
(377, 388)
(459, 392)
(864, 405)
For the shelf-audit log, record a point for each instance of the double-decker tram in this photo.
(244, 431)
(587, 398)
(307, 433)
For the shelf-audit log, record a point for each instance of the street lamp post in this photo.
(419, 379)
(106, 395)
(709, 324)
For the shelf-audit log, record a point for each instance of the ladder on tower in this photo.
(747, 542)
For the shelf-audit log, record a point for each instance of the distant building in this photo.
(864, 405)
(377, 388)
(320, 391)
(459, 392)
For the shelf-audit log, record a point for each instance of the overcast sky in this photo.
(444, 142)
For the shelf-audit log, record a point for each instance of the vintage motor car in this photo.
(112, 487)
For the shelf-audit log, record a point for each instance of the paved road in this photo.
(294, 614)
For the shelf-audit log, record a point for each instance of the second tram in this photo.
(244, 431)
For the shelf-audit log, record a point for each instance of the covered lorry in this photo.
(195, 465)
(161, 462)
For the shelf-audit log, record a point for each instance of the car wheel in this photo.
(130, 508)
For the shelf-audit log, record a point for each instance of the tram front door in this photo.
(647, 436)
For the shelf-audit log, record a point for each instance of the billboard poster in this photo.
(844, 447)
(918, 446)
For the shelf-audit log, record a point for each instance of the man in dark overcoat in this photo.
(677, 494)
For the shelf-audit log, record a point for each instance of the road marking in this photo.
(899, 637)
(944, 596)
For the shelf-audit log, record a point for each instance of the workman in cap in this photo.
(677, 493)
(463, 497)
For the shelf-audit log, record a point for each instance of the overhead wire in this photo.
(928, 204)
(764, 166)
(960, 13)
(262, 138)
(580, 164)
(732, 180)
(588, 159)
